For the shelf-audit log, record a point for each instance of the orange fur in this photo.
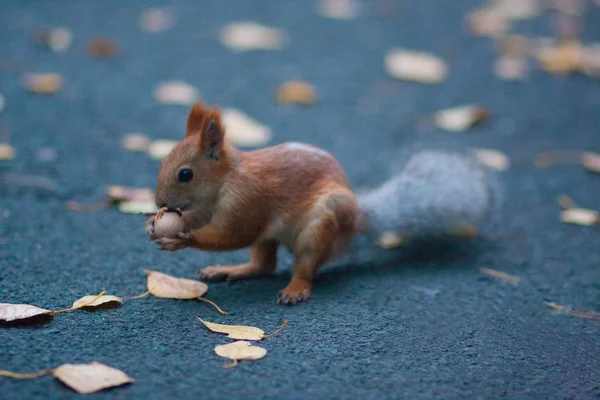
(291, 194)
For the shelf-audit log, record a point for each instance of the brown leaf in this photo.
(579, 314)
(562, 58)
(298, 92)
(102, 48)
(566, 202)
(100, 302)
(7, 152)
(169, 287)
(580, 216)
(240, 350)
(500, 275)
(14, 312)
(90, 378)
(43, 83)
(240, 331)
(591, 161)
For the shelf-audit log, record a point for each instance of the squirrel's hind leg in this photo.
(326, 231)
(263, 261)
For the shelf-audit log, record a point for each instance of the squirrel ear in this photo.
(206, 122)
(196, 119)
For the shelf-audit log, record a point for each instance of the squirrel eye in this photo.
(185, 175)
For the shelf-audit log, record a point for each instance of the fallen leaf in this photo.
(580, 314)
(467, 232)
(460, 119)
(580, 216)
(510, 69)
(339, 9)
(57, 39)
(415, 66)
(169, 287)
(176, 92)
(137, 207)
(241, 130)
(240, 331)
(248, 36)
(14, 312)
(136, 142)
(390, 240)
(105, 301)
(240, 350)
(493, 159)
(155, 20)
(128, 193)
(500, 275)
(590, 61)
(562, 58)
(591, 161)
(7, 152)
(298, 92)
(102, 48)
(513, 46)
(488, 22)
(566, 202)
(159, 149)
(518, 9)
(43, 83)
(90, 378)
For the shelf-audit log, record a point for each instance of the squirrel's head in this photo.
(193, 173)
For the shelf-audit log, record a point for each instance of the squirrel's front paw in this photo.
(149, 226)
(182, 241)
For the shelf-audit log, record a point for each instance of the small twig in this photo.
(30, 375)
(580, 314)
(233, 364)
(278, 330)
(139, 296)
(213, 304)
(81, 306)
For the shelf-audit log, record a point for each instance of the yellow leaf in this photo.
(137, 207)
(169, 287)
(90, 378)
(298, 92)
(7, 152)
(14, 312)
(235, 331)
(43, 83)
(240, 350)
(102, 301)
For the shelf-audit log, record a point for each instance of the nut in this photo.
(168, 225)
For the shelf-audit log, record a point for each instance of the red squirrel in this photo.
(292, 194)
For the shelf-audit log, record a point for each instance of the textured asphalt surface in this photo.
(417, 322)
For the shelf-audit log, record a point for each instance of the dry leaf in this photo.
(590, 61)
(169, 287)
(56, 39)
(580, 314)
(241, 130)
(415, 66)
(248, 36)
(562, 58)
(240, 350)
(339, 9)
(591, 161)
(510, 69)
(390, 240)
(566, 202)
(159, 149)
(102, 48)
(43, 83)
(500, 275)
(488, 22)
(128, 193)
(155, 20)
(298, 92)
(493, 159)
(236, 331)
(138, 207)
(7, 152)
(136, 142)
(14, 312)
(518, 9)
(580, 216)
(460, 119)
(90, 378)
(176, 92)
(100, 302)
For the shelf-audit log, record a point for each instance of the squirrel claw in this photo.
(291, 298)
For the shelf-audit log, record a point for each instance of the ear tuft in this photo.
(196, 119)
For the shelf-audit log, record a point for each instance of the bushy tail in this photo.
(436, 193)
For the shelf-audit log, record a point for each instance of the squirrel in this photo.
(298, 196)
